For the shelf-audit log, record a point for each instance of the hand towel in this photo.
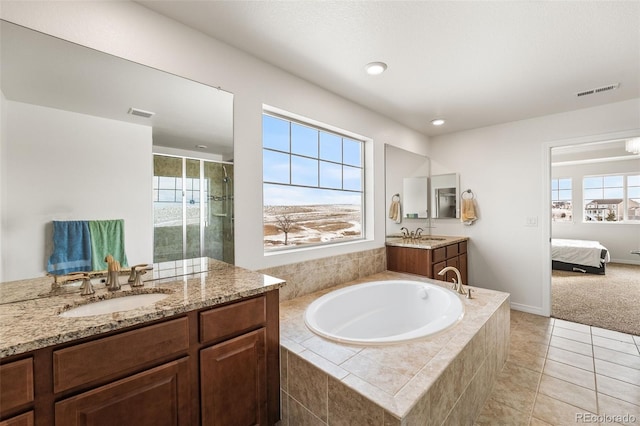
(395, 210)
(107, 237)
(71, 247)
(468, 214)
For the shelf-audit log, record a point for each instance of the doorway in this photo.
(582, 173)
(192, 209)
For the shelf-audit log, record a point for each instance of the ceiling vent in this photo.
(141, 112)
(598, 90)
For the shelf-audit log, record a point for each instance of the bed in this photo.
(579, 256)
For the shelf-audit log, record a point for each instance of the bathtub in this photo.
(384, 312)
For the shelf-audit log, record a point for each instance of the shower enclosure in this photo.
(193, 209)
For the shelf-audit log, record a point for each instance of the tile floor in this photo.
(564, 373)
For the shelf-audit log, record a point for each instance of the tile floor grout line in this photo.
(546, 354)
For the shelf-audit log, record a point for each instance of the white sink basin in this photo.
(117, 304)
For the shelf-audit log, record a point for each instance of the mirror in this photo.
(401, 165)
(445, 190)
(416, 197)
(76, 145)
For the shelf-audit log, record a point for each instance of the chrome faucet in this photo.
(457, 284)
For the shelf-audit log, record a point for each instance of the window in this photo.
(561, 204)
(612, 198)
(313, 184)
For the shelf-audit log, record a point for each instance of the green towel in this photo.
(107, 237)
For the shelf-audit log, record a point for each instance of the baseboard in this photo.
(527, 308)
(626, 261)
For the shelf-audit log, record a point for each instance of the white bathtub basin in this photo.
(382, 312)
(117, 304)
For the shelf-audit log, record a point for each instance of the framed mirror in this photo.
(79, 131)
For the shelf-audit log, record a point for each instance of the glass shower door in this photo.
(193, 209)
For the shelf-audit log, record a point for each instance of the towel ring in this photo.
(396, 197)
(471, 196)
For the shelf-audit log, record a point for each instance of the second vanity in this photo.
(206, 354)
(427, 255)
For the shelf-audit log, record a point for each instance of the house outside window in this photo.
(313, 184)
(561, 200)
(613, 198)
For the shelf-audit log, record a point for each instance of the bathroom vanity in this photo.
(428, 255)
(206, 354)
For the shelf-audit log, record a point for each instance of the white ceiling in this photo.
(474, 63)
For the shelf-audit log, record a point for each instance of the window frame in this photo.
(320, 129)
(620, 219)
(557, 191)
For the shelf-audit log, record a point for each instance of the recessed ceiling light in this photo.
(375, 68)
(201, 146)
(437, 122)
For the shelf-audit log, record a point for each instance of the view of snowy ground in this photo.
(311, 224)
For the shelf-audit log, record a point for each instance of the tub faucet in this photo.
(457, 284)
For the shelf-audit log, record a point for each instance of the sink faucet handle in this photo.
(86, 288)
(140, 271)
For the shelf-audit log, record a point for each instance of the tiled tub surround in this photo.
(318, 274)
(443, 379)
(30, 321)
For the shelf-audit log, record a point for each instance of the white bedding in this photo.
(581, 252)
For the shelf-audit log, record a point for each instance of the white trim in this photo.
(528, 308)
(546, 218)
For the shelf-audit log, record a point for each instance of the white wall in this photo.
(504, 165)
(619, 237)
(131, 31)
(59, 165)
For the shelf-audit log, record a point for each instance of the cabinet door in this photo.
(156, 397)
(233, 385)
(462, 261)
(25, 419)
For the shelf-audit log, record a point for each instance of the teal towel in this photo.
(107, 237)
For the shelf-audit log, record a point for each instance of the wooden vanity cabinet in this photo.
(428, 262)
(19, 395)
(215, 366)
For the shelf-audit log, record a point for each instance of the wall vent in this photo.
(598, 90)
(140, 112)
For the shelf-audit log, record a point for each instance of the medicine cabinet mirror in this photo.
(445, 190)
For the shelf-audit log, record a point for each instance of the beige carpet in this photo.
(610, 301)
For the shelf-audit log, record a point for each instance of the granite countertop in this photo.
(29, 309)
(428, 242)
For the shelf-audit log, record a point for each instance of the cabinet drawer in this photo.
(439, 254)
(17, 384)
(462, 247)
(232, 319)
(452, 250)
(109, 357)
